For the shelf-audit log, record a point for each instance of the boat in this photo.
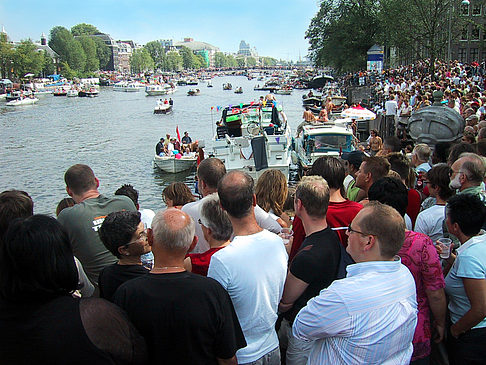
(176, 163)
(193, 92)
(210, 84)
(15, 95)
(239, 90)
(88, 91)
(60, 92)
(23, 101)
(72, 93)
(227, 86)
(128, 86)
(165, 89)
(182, 82)
(321, 139)
(284, 91)
(254, 137)
(192, 82)
(162, 108)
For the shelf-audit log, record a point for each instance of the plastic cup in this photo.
(445, 245)
(285, 234)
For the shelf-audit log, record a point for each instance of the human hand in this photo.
(438, 335)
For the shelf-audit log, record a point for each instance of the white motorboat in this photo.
(253, 137)
(321, 139)
(162, 108)
(173, 164)
(193, 92)
(22, 101)
(128, 86)
(72, 93)
(165, 89)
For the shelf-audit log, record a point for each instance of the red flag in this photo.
(178, 134)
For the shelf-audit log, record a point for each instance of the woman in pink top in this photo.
(420, 256)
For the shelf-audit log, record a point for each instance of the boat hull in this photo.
(173, 165)
(163, 109)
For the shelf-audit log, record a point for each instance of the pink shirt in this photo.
(420, 256)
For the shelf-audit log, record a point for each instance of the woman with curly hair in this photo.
(176, 195)
(271, 193)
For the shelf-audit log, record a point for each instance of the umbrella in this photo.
(358, 113)
(29, 75)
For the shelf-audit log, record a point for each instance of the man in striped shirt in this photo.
(370, 316)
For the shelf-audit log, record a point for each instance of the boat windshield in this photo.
(331, 141)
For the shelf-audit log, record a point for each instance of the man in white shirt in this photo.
(369, 317)
(209, 172)
(252, 269)
(391, 110)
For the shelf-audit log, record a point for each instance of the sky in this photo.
(275, 27)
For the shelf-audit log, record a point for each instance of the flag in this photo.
(178, 134)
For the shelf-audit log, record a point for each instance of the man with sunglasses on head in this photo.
(369, 317)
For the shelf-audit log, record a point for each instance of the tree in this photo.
(140, 61)
(241, 62)
(103, 52)
(67, 71)
(269, 61)
(341, 33)
(89, 48)
(84, 29)
(26, 59)
(231, 61)
(76, 56)
(250, 62)
(420, 29)
(48, 67)
(6, 56)
(174, 61)
(187, 58)
(59, 41)
(156, 51)
(219, 59)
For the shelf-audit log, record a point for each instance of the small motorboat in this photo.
(72, 93)
(23, 101)
(193, 92)
(60, 92)
(239, 90)
(162, 108)
(210, 84)
(227, 86)
(175, 164)
(89, 92)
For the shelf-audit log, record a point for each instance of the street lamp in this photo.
(449, 50)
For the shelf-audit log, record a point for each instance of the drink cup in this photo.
(285, 234)
(445, 245)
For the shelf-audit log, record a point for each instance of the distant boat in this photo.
(22, 101)
(239, 90)
(193, 92)
(72, 93)
(165, 89)
(89, 92)
(227, 86)
(192, 82)
(210, 84)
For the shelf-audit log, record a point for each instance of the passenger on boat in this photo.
(186, 139)
(159, 148)
(171, 102)
(323, 115)
(308, 116)
(166, 101)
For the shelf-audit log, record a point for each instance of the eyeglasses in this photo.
(142, 236)
(350, 229)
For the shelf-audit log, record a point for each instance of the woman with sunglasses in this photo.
(124, 235)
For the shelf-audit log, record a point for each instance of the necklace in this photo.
(167, 267)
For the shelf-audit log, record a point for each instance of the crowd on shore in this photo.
(374, 257)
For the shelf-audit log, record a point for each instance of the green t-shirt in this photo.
(82, 222)
(352, 192)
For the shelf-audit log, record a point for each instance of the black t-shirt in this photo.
(317, 264)
(185, 318)
(159, 148)
(115, 275)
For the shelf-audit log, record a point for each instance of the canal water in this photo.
(115, 134)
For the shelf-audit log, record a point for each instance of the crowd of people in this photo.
(365, 278)
(210, 281)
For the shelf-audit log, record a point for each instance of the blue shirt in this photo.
(369, 317)
(470, 263)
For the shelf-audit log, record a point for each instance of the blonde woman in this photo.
(271, 192)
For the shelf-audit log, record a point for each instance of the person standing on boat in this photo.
(186, 139)
(159, 148)
(171, 102)
(323, 115)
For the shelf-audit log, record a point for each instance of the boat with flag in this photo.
(253, 137)
(174, 160)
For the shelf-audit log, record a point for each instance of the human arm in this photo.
(85, 287)
(266, 221)
(438, 306)
(293, 289)
(476, 293)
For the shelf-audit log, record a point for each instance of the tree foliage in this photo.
(221, 60)
(341, 33)
(26, 59)
(59, 41)
(156, 51)
(140, 61)
(84, 29)
(89, 48)
(6, 56)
